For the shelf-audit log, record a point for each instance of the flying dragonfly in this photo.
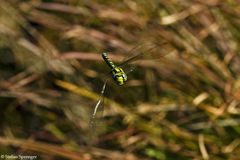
(119, 74)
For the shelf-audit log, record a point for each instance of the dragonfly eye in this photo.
(124, 77)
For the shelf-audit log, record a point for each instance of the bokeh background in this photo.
(183, 106)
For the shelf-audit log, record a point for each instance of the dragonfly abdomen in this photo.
(108, 61)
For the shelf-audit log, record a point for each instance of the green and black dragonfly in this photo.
(119, 73)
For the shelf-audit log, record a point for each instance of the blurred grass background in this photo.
(182, 107)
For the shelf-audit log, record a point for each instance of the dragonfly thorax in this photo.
(119, 75)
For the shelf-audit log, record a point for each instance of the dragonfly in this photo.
(119, 74)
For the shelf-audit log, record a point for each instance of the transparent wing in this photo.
(97, 113)
(149, 51)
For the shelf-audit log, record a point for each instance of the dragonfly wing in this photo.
(142, 52)
(98, 109)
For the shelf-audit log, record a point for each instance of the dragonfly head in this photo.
(119, 75)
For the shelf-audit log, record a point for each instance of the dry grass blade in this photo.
(182, 106)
